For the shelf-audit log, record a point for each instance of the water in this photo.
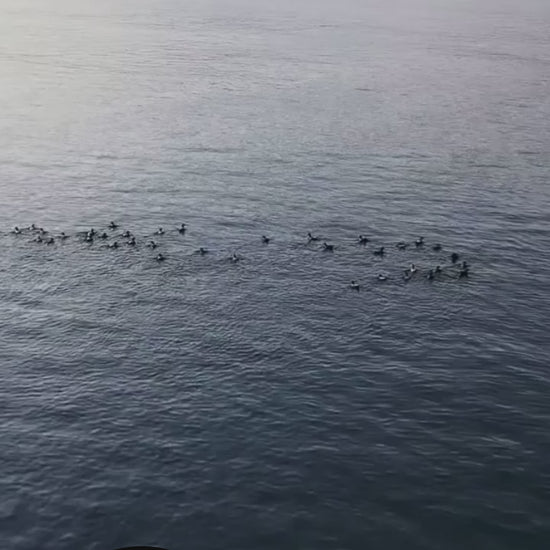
(199, 404)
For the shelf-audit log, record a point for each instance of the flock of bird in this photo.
(458, 269)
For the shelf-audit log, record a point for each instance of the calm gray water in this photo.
(264, 405)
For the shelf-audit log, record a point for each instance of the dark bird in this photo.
(310, 237)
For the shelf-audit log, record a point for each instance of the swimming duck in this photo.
(311, 237)
(265, 239)
(32, 227)
(160, 231)
(62, 236)
(113, 245)
(113, 225)
(437, 247)
(465, 265)
(463, 273)
(413, 269)
(328, 247)
(104, 236)
(152, 244)
(202, 251)
(382, 277)
(160, 258)
(16, 231)
(88, 238)
(402, 245)
(431, 275)
(182, 229)
(438, 269)
(363, 240)
(407, 275)
(234, 258)
(132, 241)
(50, 240)
(126, 234)
(454, 257)
(354, 285)
(379, 252)
(419, 242)
(38, 239)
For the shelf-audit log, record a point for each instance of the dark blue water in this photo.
(201, 404)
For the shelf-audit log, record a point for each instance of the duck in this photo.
(104, 236)
(431, 275)
(160, 258)
(234, 258)
(354, 285)
(419, 242)
(16, 231)
(32, 227)
(438, 269)
(38, 239)
(92, 232)
(363, 240)
(402, 245)
(382, 277)
(202, 251)
(464, 272)
(413, 268)
(63, 236)
(379, 252)
(465, 265)
(454, 257)
(328, 247)
(88, 238)
(311, 237)
(160, 231)
(152, 244)
(131, 242)
(437, 247)
(407, 275)
(112, 225)
(265, 239)
(182, 228)
(50, 240)
(113, 245)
